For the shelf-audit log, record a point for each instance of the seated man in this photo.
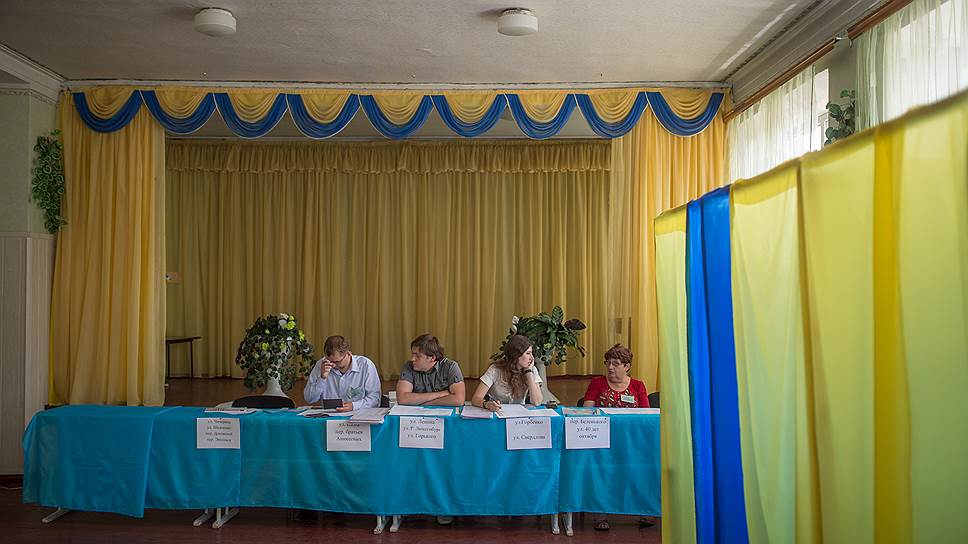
(342, 375)
(429, 378)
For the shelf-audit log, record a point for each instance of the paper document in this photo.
(578, 411)
(401, 410)
(231, 410)
(474, 412)
(316, 412)
(370, 415)
(619, 411)
(542, 412)
(513, 410)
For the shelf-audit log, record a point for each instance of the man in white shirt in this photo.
(342, 375)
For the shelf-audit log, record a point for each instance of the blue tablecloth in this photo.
(125, 459)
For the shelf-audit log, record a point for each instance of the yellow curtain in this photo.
(771, 362)
(660, 171)
(108, 307)
(678, 496)
(383, 241)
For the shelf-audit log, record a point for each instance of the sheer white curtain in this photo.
(917, 56)
(778, 128)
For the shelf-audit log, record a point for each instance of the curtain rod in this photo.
(443, 86)
(866, 23)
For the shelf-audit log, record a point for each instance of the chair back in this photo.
(263, 401)
(654, 399)
(384, 401)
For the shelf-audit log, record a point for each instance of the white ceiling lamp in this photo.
(517, 22)
(216, 22)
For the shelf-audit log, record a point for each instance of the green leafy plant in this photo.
(549, 334)
(47, 187)
(842, 118)
(274, 347)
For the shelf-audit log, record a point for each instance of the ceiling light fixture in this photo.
(517, 22)
(216, 22)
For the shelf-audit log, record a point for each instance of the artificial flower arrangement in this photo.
(274, 348)
(550, 335)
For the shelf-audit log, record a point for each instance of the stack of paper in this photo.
(513, 410)
(370, 415)
(542, 412)
(616, 411)
(419, 411)
(474, 412)
(316, 412)
(232, 410)
(578, 411)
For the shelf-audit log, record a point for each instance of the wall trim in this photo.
(39, 78)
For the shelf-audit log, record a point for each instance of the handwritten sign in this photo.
(343, 435)
(422, 432)
(587, 433)
(217, 433)
(528, 433)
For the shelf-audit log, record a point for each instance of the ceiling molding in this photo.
(43, 81)
(821, 24)
(443, 86)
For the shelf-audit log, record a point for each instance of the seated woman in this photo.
(616, 389)
(511, 378)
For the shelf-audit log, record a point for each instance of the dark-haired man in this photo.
(429, 378)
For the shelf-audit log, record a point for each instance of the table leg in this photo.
(191, 358)
(206, 515)
(221, 520)
(54, 515)
(167, 360)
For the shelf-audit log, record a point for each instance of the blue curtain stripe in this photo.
(730, 501)
(470, 130)
(175, 124)
(313, 128)
(679, 126)
(536, 130)
(699, 402)
(248, 129)
(612, 130)
(117, 122)
(391, 130)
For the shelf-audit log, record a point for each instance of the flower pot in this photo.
(273, 388)
(543, 372)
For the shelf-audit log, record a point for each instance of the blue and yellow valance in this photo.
(319, 113)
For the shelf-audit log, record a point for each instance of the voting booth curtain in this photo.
(813, 344)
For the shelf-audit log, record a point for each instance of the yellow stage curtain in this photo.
(660, 171)
(108, 306)
(678, 496)
(383, 241)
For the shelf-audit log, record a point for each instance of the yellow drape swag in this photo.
(107, 309)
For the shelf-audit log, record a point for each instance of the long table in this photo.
(125, 459)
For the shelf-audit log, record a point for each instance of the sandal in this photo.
(646, 521)
(602, 525)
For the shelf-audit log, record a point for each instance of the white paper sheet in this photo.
(345, 435)
(475, 412)
(422, 432)
(236, 411)
(217, 433)
(584, 433)
(528, 433)
(370, 415)
(418, 411)
(621, 411)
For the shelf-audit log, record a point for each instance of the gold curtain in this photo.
(108, 307)
(383, 241)
(655, 171)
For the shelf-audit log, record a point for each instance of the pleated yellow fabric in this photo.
(359, 240)
(689, 103)
(180, 102)
(108, 306)
(928, 169)
(542, 107)
(398, 107)
(662, 171)
(678, 495)
(838, 225)
(470, 107)
(105, 102)
(773, 379)
(252, 105)
(324, 107)
(613, 105)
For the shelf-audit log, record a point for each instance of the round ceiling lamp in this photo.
(517, 22)
(215, 22)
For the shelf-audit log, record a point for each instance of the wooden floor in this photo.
(21, 523)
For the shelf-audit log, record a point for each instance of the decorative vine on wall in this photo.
(48, 181)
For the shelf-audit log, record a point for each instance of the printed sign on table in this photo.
(528, 433)
(422, 432)
(345, 435)
(586, 433)
(217, 433)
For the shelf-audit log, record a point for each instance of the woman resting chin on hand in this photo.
(511, 378)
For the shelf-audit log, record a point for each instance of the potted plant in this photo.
(273, 352)
(551, 337)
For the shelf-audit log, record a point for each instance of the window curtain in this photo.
(917, 56)
(778, 128)
(108, 305)
(380, 242)
(658, 171)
